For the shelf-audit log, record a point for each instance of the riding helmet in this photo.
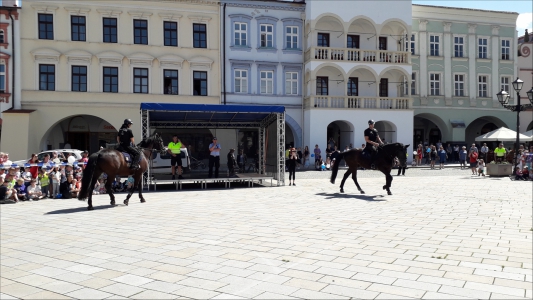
(370, 122)
(128, 122)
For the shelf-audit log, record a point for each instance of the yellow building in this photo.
(87, 66)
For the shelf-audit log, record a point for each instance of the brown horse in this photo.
(112, 163)
(384, 162)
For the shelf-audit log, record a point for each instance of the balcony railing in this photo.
(357, 55)
(349, 102)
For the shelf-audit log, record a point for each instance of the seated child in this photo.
(525, 173)
(518, 174)
(34, 191)
(481, 167)
(20, 188)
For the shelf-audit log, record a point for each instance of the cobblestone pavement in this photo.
(437, 237)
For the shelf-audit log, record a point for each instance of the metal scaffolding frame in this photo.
(277, 118)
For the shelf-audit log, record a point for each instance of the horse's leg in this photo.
(388, 183)
(140, 187)
(96, 174)
(344, 179)
(136, 181)
(354, 177)
(109, 188)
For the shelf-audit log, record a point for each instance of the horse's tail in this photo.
(336, 164)
(88, 172)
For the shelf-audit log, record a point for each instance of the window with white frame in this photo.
(434, 45)
(458, 46)
(267, 82)
(291, 83)
(504, 83)
(2, 78)
(434, 84)
(291, 37)
(413, 84)
(459, 85)
(240, 33)
(482, 86)
(241, 81)
(267, 35)
(506, 49)
(413, 44)
(482, 44)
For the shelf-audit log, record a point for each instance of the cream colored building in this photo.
(87, 66)
(525, 73)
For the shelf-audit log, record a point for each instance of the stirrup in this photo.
(373, 166)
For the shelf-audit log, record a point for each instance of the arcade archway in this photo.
(387, 131)
(341, 132)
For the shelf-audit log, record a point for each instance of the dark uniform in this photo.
(125, 134)
(369, 150)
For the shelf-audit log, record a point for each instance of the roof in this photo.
(208, 115)
(473, 9)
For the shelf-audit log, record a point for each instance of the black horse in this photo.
(384, 162)
(112, 163)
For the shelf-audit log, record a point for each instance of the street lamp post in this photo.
(503, 98)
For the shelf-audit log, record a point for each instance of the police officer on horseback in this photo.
(372, 141)
(127, 143)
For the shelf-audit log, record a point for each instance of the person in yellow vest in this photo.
(499, 153)
(174, 149)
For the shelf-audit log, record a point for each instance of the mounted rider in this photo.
(372, 141)
(127, 143)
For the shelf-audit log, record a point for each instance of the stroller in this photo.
(195, 163)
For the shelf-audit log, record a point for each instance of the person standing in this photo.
(449, 152)
(84, 159)
(291, 164)
(317, 153)
(473, 161)
(241, 161)
(214, 157)
(433, 156)
(462, 157)
(232, 162)
(174, 149)
(500, 153)
(456, 150)
(306, 156)
(474, 148)
(484, 151)
(442, 157)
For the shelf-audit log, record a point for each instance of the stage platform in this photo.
(249, 178)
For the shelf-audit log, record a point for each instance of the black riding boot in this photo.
(372, 159)
(135, 162)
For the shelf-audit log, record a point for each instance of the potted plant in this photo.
(499, 169)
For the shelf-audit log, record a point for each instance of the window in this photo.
(79, 79)
(170, 82)
(200, 35)
(291, 83)
(46, 27)
(2, 79)
(2, 37)
(505, 83)
(110, 30)
(241, 81)
(458, 44)
(412, 41)
(140, 32)
(170, 33)
(413, 83)
(482, 86)
(240, 33)
(353, 86)
(434, 45)
(384, 87)
(353, 41)
(267, 36)
(110, 83)
(382, 43)
(47, 77)
(322, 86)
(482, 47)
(459, 85)
(434, 84)
(506, 49)
(140, 80)
(291, 37)
(200, 83)
(77, 28)
(267, 82)
(323, 39)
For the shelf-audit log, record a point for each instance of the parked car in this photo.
(60, 152)
(161, 163)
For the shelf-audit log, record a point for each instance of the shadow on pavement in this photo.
(77, 209)
(351, 196)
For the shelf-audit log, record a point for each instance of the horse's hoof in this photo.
(142, 200)
(90, 208)
(384, 187)
(389, 193)
(362, 192)
(126, 202)
(342, 190)
(112, 203)
(332, 181)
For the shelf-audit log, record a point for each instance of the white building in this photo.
(357, 68)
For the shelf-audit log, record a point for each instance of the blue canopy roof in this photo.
(208, 114)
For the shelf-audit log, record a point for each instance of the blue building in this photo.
(262, 57)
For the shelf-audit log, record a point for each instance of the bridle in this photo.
(156, 139)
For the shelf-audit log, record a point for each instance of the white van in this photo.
(161, 163)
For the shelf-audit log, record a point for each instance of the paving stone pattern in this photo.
(437, 237)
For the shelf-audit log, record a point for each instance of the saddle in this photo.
(127, 156)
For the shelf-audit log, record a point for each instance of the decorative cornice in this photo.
(77, 10)
(110, 13)
(495, 30)
(44, 8)
(170, 61)
(170, 16)
(447, 26)
(141, 59)
(199, 19)
(200, 62)
(232, 16)
(46, 55)
(110, 58)
(79, 56)
(281, 7)
(273, 19)
(472, 28)
(422, 25)
(140, 14)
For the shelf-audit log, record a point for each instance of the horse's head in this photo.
(401, 153)
(155, 142)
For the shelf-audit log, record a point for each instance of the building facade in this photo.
(461, 59)
(88, 65)
(263, 56)
(9, 56)
(525, 73)
(357, 68)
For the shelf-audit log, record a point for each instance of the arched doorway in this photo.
(482, 125)
(82, 132)
(289, 136)
(341, 132)
(428, 129)
(488, 128)
(387, 131)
